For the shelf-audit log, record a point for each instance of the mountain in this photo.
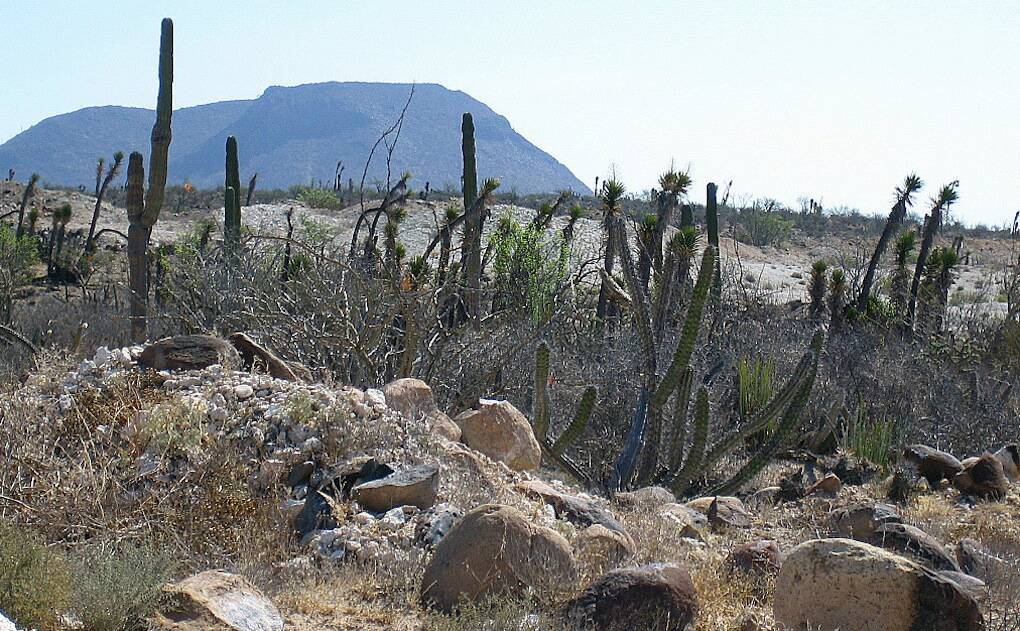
(295, 135)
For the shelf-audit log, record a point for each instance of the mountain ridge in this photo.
(296, 135)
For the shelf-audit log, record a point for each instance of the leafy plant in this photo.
(35, 583)
(18, 255)
(875, 440)
(529, 265)
(118, 589)
(762, 225)
(319, 198)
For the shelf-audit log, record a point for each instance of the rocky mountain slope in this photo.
(293, 135)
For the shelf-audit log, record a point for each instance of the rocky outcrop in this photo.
(983, 477)
(722, 511)
(255, 357)
(218, 600)
(860, 522)
(188, 352)
(646, 496)
(495, 550)
(931, 464)
(413, 399)
(659, 596)
(915, 544)
(501, 432)
(853, 586)
(413, 486)
(575, 509)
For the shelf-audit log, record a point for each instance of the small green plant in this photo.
(754, 385)
(761, 225)
(175, 429)
(18, 255)
(529, 264)
(118, 589)
(320, 198)
(35, 583)
(875, 440)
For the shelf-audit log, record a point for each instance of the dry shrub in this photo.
(35, 582)
(118, 588)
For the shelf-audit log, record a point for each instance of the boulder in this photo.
(722, 510)
(689, 522)
(657, 597)
(413, 399)
(218, 600)
(860, 522)
(984, 478)
(853, 586)
(501, 432)
(978, 562)
(1009, 456)
(830, 485)
(933, 465)
(255, 357)
(602, 549)
(645, 496)
(188, 352)
(757, 558)
(915, 544)
(971, 585)
(412, 486)
(6, 624)
(577, 510)
(494, 550)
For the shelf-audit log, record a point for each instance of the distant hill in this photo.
(294, 135)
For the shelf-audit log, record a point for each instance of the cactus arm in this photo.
(623, 469)
(541, 420)
(581, 418)
(698, 440)
(680, 418)
(161, 134)
(779, 437)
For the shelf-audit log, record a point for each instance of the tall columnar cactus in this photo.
(472, 244)
(541, 405)
(25, 197)
(143, 207)
(232, 200)
(712, 225)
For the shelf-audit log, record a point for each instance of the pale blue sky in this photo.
(787, 99)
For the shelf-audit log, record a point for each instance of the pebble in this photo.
(243, 392)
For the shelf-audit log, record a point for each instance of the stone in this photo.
(435, 523)
(243, 392)
(254, 357)
(970, 585)
(829, 485)
(410, 397)
(412, 486)
(501, 432)
(860, 522)
(984, 478)
(646, 496)
(933, 465)
(187, 352)
(915, 544)
(300, 473)
(6, 624)
(218, 600)
(689, 522)
(757, 558)
(655, 596)
(722, 510)
(1009, 456)
(440, 424)
(854, 586)
(494, 550)
(602, 549)
(978, 562)
(576, 510)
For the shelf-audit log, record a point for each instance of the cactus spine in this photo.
(231, 196)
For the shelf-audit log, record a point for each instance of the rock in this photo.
(933, 465)
(413, 486)
(829, 485)
(243, 392)
(602, 549)
(970, 585)
(300, 473)
(860, 522)
(218, 600)
(728, 511)
(646, 496)
(501, 432)
(576, 510)
(978, 562)
(853, 586)
(758, 558)
(690, 522)
(410, 397)
(494, 550)
(983, 477)
(440, 424)
(1009, 456)
(656, 596)
(914, 544)
(255, 356)
(187, 352)
(854, 471)
(435, 523)
(6, 624)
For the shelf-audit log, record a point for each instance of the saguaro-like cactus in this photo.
(712, 225)
(25, 196)
(143, 207)
(472, 243)
(231, 196)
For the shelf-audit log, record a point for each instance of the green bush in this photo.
(17, 257)
(119, 588)
(320, 198)
(35, 583)
(529, 264)
(761, 227)
(875, 440)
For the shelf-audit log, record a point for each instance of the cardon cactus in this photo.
(232, 204)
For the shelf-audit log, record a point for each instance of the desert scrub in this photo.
(35, 583)
(495, 614)
(319, 198)
(176, 428)
(118, 588)
(874, 439)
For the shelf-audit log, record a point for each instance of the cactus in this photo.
(816, 289)
(472, 242)
(582, 416)
(904, 195)
(712, 222)
(26, 195)
(683, 399)
(699, 439)
(231, 196)
(837, 299)
(541, 420)
(143, 207)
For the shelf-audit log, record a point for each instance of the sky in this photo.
(836, 101)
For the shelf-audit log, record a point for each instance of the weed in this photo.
(35, 584)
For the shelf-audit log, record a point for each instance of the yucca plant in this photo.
(904, 198)
(947, 196)
(899, 290)
(816, 289)
(874, 440)
(103, 178)
(25, 197)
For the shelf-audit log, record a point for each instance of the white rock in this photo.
(243, 392)
(65, 402)
(102, 357)
(375, 397)
(363, 518)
